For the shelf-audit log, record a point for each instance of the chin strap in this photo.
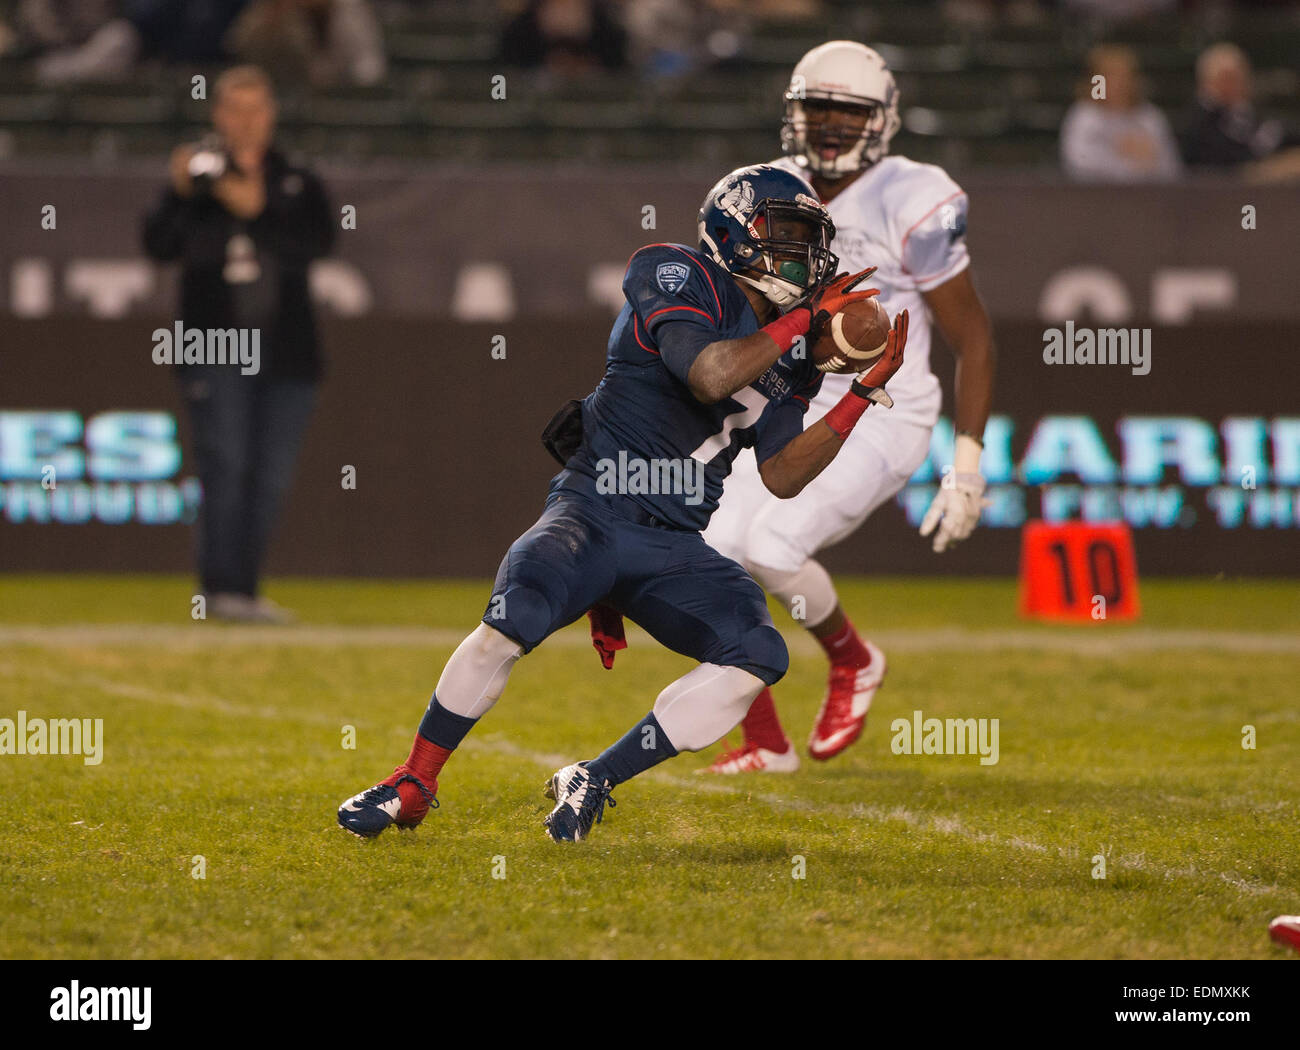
(775, 290)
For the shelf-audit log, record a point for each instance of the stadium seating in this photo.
(972, 94)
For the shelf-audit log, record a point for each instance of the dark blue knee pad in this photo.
(552, 574)
(523, 614)
(765, 653)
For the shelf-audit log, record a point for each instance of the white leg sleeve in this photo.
(704, 705)
(476, 674)
(807, 593)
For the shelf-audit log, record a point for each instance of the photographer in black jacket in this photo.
(245, 224)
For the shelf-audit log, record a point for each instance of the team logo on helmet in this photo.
(766, 227)
(671, 276)
(739, 198)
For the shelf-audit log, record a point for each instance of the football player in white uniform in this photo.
(909, 220)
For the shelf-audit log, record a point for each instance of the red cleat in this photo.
(750, 758)
(1285, 929)
(848, 699)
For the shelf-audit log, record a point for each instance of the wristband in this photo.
(872, 393)
(846, 412)
(787, 328)
(966, 455)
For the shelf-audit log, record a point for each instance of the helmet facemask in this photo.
(858, 128)
(789, 253)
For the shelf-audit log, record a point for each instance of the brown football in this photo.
(853, 338)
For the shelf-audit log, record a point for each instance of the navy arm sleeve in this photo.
(677, 310)
(785, 422)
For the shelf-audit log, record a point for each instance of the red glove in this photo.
(869, 387)
(891, 360)
(825, 302)
(820, 305)
(606, 632)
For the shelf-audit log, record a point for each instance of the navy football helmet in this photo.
(766, 227)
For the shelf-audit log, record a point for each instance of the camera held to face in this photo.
(209, 162)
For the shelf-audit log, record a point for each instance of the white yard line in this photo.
(941, 824)
(1082, 640)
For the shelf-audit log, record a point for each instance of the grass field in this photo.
(226, 743)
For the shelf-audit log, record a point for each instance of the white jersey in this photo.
(908, 220)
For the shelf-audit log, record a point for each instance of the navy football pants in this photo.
(589, 547)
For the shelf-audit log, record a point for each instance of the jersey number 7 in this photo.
(754, 403)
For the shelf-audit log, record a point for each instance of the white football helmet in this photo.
(845, 73)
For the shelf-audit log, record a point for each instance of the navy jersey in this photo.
(644, 433)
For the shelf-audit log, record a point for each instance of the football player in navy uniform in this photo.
(708, 356)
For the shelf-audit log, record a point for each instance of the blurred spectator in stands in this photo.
(183, 30)
(986, 15)
(38, 26)
(1225, 131)
(245, 225)
(776, 10)
(1113, 134)
(325, 43)
(1114, 11)
(670, 38)
(565, 37)
(170, 30)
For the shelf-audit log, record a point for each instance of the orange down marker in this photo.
(1077, 570)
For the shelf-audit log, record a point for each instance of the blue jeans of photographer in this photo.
(246, 431)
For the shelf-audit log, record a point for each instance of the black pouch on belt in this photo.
(563, 434)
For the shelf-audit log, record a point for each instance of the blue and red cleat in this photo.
(400, 799)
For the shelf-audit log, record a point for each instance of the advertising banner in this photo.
(1198, 449)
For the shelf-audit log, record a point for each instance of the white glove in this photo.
(957, 505)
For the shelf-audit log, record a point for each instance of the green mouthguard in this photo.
(794, 271)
